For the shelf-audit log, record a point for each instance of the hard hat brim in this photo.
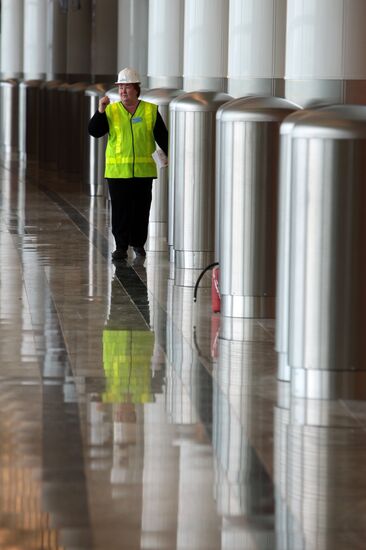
(137, 82)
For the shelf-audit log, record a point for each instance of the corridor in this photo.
(130, 420)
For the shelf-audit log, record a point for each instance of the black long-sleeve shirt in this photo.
(98, 126)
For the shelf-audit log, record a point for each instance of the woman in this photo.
(133, 127)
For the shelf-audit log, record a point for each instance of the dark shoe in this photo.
(119, 254)
(139, 251)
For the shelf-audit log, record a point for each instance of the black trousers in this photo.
(130, 201)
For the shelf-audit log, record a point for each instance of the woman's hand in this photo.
(103, 102)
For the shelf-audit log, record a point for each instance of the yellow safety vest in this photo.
(127, 366)
(131, 141)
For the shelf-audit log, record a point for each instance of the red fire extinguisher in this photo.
(215, 290)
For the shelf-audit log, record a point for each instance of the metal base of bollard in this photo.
(283, 368)
(248, 307)
(327, 384)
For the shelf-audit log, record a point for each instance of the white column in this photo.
(132, 35)
(56, 41)
(11, 38)
(165, 48)
(256, 47)
(325, 51)
(104, 40)
(205, 44)
(78, 41)
(35, 39)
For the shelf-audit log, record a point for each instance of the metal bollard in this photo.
(158, 223)
(194, 181)
(9, 105)
(283, 244)
(327, 300)
(249, 139)
(94, 148)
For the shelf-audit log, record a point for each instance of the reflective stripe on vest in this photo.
(131, 141)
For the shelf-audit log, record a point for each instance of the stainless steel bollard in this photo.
(283, 244)
(249, 143)
(9, 111)
(172, 140)
(327, 303)
(94, 158)
(29, 116)
(194, 178)
(158, 223)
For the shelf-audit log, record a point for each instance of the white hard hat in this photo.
(128, 76)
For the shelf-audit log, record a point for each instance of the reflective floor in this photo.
(133, 418)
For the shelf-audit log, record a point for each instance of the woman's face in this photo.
(127, 93)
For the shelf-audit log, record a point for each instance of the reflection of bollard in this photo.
(321, 475)
(194, 179)
(242, 484)
(249, 137)
(94, 148)
(327, 300)
(9, 110)
(29, 116)
(158, 222)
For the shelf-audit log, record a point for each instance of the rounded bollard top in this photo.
(200, 101)
(113, 94)
(97, 90)
(9, 83)
(160, 96)
(78, 87)
(256, 109)
(333, 122)
(289, 123)
(31, 83)
(51, 84)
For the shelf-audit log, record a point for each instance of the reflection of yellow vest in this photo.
(126, 359)
(131, 141)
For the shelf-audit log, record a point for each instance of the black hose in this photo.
(199, 279)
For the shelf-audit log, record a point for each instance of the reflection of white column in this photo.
(205, 44)
(325, 58)
(132, 35)
(197, 520)
(256, 47)
(11, 38)
(165, 51)
(160, 479)
(35, 39)
(127, 450)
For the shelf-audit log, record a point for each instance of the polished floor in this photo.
(130, 419)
